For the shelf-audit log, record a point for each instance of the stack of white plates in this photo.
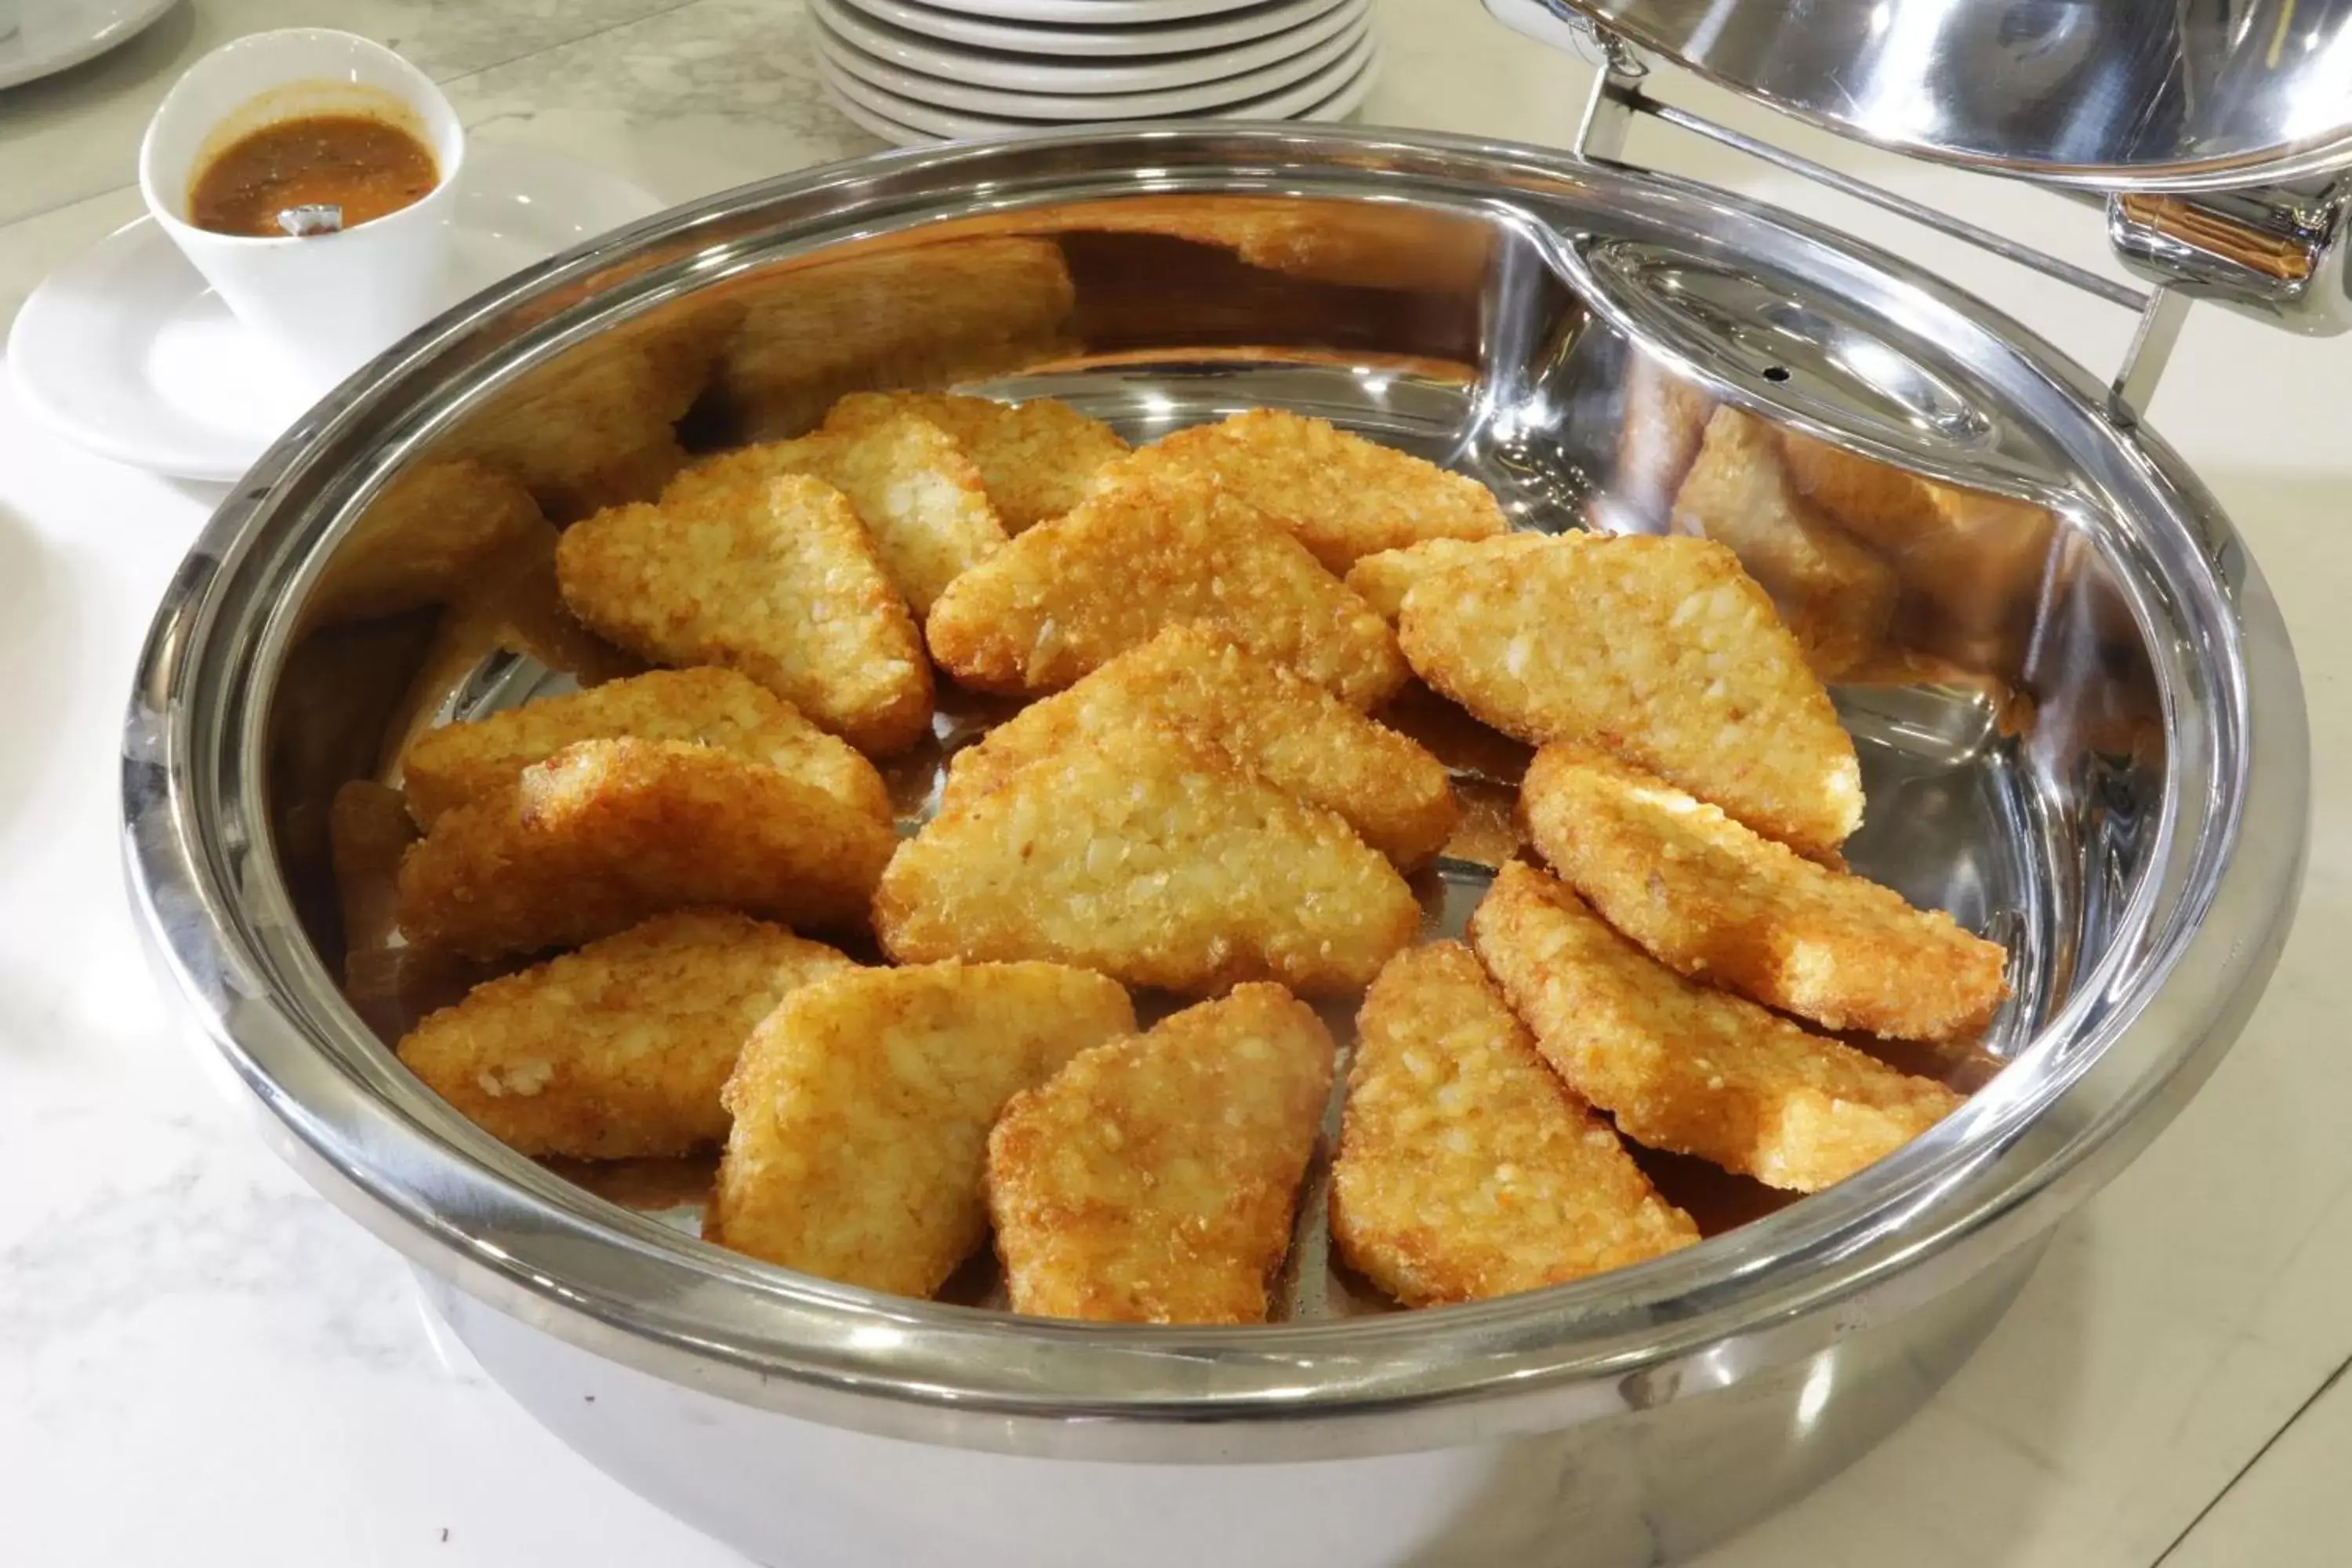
(921, 70)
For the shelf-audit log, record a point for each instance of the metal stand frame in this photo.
(2276, 253)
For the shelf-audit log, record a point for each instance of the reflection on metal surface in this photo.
(2080, 723)
(2277, 253)
(2116, 94)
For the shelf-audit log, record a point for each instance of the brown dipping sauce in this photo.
(362, 165)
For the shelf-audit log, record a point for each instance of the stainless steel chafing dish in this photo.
(2094, 746)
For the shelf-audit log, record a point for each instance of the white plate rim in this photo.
(1160, 38)
(871, 123)
(19, 67)
(1340, 104)
(1117, 13)
(1351, 96)
(1080, 108)
(500, 166)
(1284, 104)
(1074, 75)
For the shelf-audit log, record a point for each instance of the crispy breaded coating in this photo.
(1281, 726)
(1837, 597)
(449, 766)
(1467, 1168)
(1342, 496)
(862, 1106)
(1664, 421)
(1035, 458)
(1661, 649)
(1382, 579)
(775, 577)
(1709, 899)
(918, 494)
(605, 833)
(1150, 859)
(1683, 1068)
(1153, 1179)
(422, 542)
(1068, 596)
(617, 1051)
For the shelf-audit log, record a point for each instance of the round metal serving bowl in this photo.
(2105, 765)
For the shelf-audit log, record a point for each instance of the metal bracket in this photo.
(1617, 96)
(2276, 252)
(2151, 350)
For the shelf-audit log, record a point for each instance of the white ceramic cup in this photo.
(327, 303)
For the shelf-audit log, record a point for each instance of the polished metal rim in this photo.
(2135, 1036)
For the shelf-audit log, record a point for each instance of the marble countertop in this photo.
(201, 1361)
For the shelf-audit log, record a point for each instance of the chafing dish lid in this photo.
(2137, 95)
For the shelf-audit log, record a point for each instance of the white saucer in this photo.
(126, 351)
(1218, 32)
(1335, 90)
(1046, 73)
(1080, 108)
(56, 34)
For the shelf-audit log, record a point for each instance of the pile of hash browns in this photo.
(1250, 686)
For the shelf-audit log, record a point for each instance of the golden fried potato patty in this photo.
(1134, 558)
(918, 493)
(619, 1050)
(1035, 458)
(862, 1106)
(446, 767)
(1382, 580)
(1279, 725)
(1711, 899)
(1683, 1068)
(1153, 1179)
(1342, 496)
(775, 577)
(605, 833)
(1661, 649)
(1154, 860)
(1467, 1168)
